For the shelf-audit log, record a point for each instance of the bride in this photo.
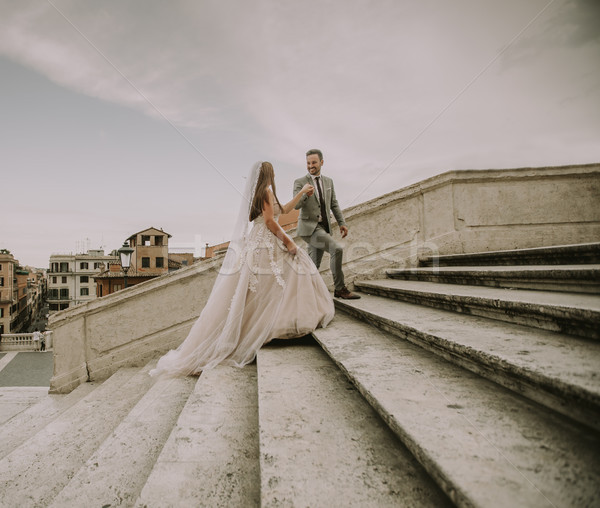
(267, 288)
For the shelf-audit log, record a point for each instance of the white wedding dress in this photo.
(265, 293)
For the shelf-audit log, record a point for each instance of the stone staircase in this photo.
(469, 381)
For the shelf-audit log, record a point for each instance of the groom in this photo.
(314, 226)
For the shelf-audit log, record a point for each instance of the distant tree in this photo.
(4, 251)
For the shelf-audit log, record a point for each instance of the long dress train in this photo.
(268, 294)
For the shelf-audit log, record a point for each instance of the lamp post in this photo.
(125, 255)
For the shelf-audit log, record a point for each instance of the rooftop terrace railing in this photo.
(23, 341)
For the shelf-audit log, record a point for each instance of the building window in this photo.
(84, 292)
(84, 279)
(84, 265)
(1, 312)
(64, 267)
(54, 267)
(54, 306)
(145, 240)
(24, 291)
(1, 281)
(64, 294)
(117, 287)
(96, 266)
(54, 279)
(145, 262)
(160, 262)
(64, 279)
(53, 294)
(158, 240)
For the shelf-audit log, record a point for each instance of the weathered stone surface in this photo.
(69, 353)
(577, 314)
(482, 444)
(517, 201)
(115, 474)
(34, 473)
(568, 278)
(322, 445)
(578, 254)
(15, 400)
(37, 409)
(558, 371)
(211, 456)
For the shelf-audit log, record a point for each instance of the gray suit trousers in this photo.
(318, 243)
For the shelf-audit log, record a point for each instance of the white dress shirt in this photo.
(315, 185)
(314, 179)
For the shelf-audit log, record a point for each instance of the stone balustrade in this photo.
(22, 341)
(452, 213)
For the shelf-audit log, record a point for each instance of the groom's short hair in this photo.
(315, 151)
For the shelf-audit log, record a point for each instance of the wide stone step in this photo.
(35, 472)
(27, 423)
(571, 313)
(116, 473)
(322, 445)
(484, 445)
(572, 278)
(584, 253)
(558, 371)
(211, 456)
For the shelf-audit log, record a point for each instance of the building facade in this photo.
(21, 294)
(71, 278)
(8, 293)
(150, 258)
(151, 254)
(113, 280)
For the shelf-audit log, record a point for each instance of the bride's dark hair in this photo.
(266, 177)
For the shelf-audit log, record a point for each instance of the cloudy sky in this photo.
(117, 116)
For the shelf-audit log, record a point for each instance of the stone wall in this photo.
(472, 211)
(455, 212)
(128, 328)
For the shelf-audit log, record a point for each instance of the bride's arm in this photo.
(288, 207)
(273, 225)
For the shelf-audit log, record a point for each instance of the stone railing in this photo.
(129, 327)
(473, 211)
(23, 341)
(455, 212)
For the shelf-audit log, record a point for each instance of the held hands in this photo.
(308, 189)
(343, 231)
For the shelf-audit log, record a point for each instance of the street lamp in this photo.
(125, 255)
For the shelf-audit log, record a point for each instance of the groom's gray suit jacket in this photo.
(310, 208)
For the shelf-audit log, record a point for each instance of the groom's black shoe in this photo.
(345, 294)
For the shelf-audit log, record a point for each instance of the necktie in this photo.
(324, 220)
